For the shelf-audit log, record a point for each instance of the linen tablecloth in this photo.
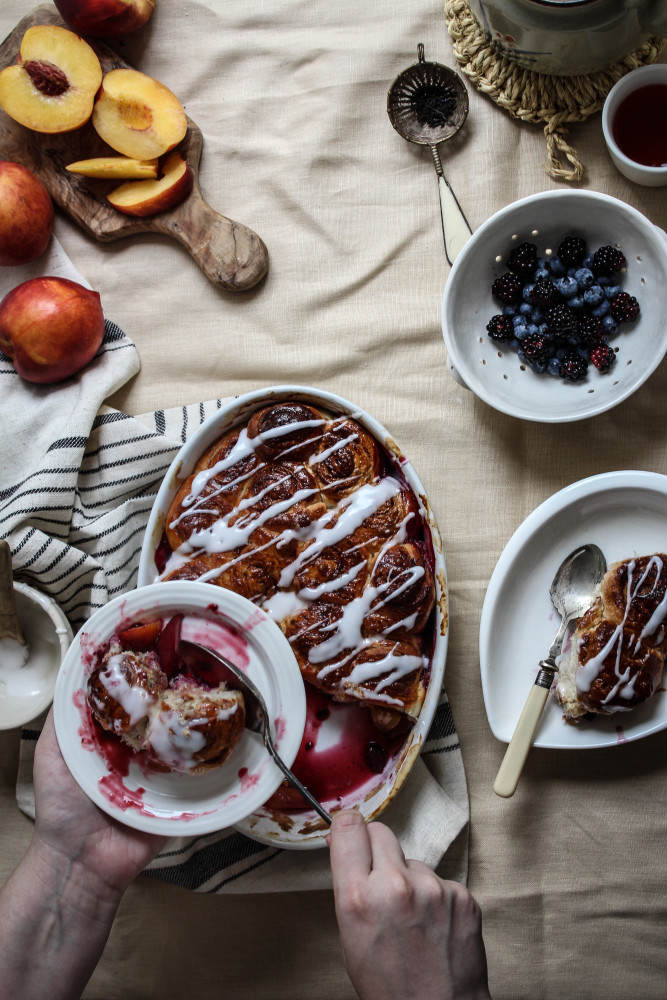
(291, 99)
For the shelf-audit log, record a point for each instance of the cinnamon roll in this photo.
(346, 458)
(191, 729)
(619, 645)
(123, 689)
(286, 431)
(403, 582)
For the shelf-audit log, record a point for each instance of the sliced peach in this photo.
(137, 115)
(150, 197)
(114, 168)
(52, 86)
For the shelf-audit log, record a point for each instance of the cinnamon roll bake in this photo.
(618, 647)
(140, 691)
(304, 513)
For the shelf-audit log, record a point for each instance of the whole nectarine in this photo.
(105, 18)
(26, 215)
(51, 328)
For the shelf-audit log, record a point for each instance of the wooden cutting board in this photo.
(230, 255)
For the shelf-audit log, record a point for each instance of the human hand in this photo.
(73, 829)
(404, 931)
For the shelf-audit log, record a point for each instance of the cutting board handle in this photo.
(230, 254)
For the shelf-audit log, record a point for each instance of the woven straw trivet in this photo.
(556, 102)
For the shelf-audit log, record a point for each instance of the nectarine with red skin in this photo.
(105, 18)
(51, 328)
(26, 215)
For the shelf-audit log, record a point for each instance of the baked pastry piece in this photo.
(123, 689)
(182, 724)
(191, 729)
(303, 513)
(619, 645)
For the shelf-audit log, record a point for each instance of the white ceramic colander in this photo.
(493, 371)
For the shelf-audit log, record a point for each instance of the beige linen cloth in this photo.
(291, 99)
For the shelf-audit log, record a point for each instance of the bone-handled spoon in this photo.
(572, 592)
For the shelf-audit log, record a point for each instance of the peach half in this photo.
(142, 198)
(52, 86)
(137, 115)
(112, 168)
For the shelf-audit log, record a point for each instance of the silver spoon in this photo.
(257, 714)
(571, 592)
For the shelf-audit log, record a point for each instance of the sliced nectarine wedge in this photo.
(114, 168)
(53, 85)
(137, 115)
(144, 198)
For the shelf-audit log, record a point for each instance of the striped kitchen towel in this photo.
(77, 483)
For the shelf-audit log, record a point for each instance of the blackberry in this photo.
(507, 288)
(544, 293)
(608, 260)
(572, 251)
(624, 308)
(500, 328)
(536, 348)
(591, 331)
(522, 260)
(573, 367)
(561, 321)
(603, 357)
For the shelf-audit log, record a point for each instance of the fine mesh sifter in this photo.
(427, 104)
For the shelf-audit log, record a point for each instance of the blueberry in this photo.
(576, 302)
(532, 328)
(527, 289)
(588, 260)
(594, 295)
(602, 309)
(513, 343)
(509, 310)
(536, 316)
(520, 332)
(567, 287)
(584, 277)
(518, 320)
(542, 273)
(526, 308)
(538, 367)
(611, 290)
(522, 356)
(556, 266)
(560, 353)
(605, 279)
(553, 366)
(609, 325)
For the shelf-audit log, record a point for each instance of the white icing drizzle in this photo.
(625, 684)
(132, 698)
(174, 741)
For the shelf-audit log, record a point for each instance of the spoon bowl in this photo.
(571, 592)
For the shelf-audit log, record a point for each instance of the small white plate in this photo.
(184, 804)
(625, 513)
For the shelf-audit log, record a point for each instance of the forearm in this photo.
(54, 923)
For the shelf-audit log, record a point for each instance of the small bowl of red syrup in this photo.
(634, 120)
